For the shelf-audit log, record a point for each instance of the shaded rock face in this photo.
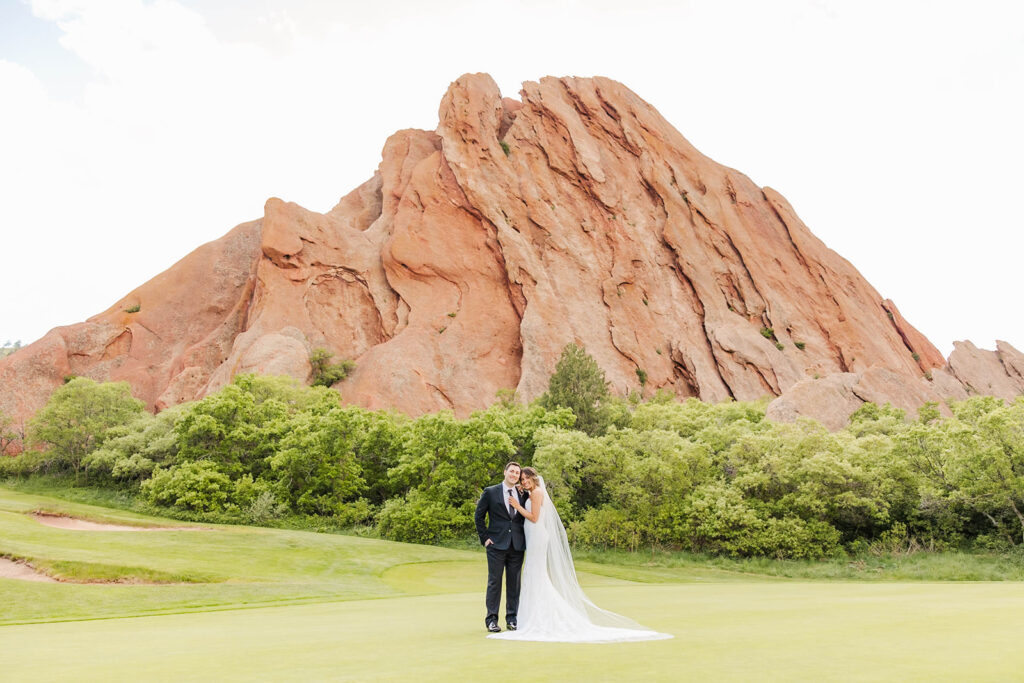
(476, 252)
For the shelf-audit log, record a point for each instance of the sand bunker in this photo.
(21, 570)
(61, 522)
(9, 569)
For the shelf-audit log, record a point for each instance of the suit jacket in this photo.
(504, 531)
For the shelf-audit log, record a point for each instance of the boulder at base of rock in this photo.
(829, 400)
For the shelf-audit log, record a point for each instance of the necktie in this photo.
(511, 510)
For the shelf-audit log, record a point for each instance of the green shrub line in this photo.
(715, 480)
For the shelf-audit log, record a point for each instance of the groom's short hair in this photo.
(511, 464)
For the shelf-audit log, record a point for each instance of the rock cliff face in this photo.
(477, 251)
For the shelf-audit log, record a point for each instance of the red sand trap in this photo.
(60, 522)
(9, 569)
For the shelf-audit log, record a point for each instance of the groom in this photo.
(505, 542)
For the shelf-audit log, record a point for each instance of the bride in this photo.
(552, 606)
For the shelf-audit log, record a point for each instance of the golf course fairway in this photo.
(260, 604)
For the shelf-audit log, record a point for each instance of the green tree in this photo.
(132, 452)
(874, 419)
(719, 520)
(802, 470)
(192, 486)
(240, 427)
(989, 459)
(78, 418)
(315, 468)
(579, 384)
(379, 448)
(927, 450)
(451, 460)
(326, 373)
(415, 518)
(521, 424)
(645, 476)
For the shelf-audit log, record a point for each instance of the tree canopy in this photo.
(579, 384)
(79, 418)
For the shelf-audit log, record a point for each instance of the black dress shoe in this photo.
(511, 625)
(492, 626)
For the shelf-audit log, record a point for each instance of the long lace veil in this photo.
(563, 573)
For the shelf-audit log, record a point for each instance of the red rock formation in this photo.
(477, 251)
(989, 373)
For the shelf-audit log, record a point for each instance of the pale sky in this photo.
(131, 132)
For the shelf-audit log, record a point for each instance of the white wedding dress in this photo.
(552, 606)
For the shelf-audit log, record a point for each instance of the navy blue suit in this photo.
(506, 551)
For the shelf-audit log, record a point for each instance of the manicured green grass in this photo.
(290, 605)
(227, 566)
(920, 566)
(792, 631)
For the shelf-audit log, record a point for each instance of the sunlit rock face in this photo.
(477, 251)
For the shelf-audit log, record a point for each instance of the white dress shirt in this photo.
(507, 490)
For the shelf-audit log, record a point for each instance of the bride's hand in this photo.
(514, 503)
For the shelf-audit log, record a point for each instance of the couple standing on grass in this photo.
(522, 522)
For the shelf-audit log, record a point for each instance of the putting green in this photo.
(764, 631)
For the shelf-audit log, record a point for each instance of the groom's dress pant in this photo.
(509, 562)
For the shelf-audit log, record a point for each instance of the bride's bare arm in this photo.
(537, 496)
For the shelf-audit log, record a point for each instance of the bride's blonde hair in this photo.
(530, 473)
